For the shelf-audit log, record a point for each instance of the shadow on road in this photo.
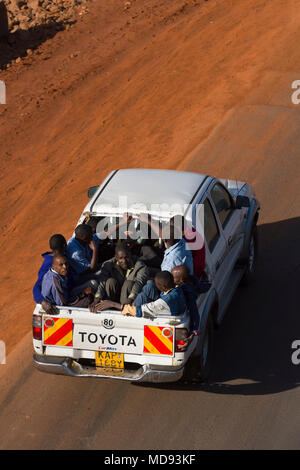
(252, 353)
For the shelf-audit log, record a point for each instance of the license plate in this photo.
(109, 360)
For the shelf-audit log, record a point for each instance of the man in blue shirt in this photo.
(176, 252)
(57, 286)
(82, 254)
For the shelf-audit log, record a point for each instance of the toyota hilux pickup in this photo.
(78, 343)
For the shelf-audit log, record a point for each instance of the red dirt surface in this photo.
(145, 86)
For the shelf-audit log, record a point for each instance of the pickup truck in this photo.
(79, 343)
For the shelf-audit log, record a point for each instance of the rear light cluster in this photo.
(180, 339)
(37, 327)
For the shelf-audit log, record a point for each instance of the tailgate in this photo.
(109, 331)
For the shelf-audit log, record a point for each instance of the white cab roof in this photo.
(146, 187)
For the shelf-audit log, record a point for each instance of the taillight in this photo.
(37, 327)
(180, 339)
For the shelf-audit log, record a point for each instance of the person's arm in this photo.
(154, 226)
(79, 263)
(156, 308)
(126, 219)
(94, 261)
(49, 292)
(127, 310)
(37, 288)
(57, 293)
(37, 292)
(104, 305)
(142, 277)
(47, 306)
(105, 273)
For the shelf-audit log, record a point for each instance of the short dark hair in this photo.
(165, 278)
(178, 221)
(55, 257)
(171, 232)
(93, 222)
(83, 231)
(121, 246)
(58, 243)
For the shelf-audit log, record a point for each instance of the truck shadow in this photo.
(253, 347)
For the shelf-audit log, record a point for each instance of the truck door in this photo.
(230, 222)
(215, 244)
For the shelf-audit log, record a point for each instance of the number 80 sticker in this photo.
(108, 323)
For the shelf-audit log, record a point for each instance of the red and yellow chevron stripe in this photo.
(58, 331)
(158, 340)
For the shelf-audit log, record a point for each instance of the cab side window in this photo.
(211, 231)
(223, 203)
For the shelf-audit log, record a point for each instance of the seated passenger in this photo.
(182, 278)
(194, 242)
(149, 293)
(57, 245)
(82, 254)
(57, 286)
(176, 252)
(122, 277)
(170, 302)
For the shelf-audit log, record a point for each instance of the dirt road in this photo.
(197, 85)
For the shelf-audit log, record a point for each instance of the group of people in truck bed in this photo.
(139, 279)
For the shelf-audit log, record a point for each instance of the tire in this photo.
(198, 367)
(251, 260)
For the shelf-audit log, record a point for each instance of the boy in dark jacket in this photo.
(191, 290)
(57, 245)
(171, 300)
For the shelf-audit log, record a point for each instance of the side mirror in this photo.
(242, 201)
(92, 190)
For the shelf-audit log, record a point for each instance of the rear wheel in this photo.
(252, 258)
(199, 365)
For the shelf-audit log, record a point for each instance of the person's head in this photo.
(84, 234)
(180, 274)
(60, 264)
(171, 234)
(58, 244)
(164, 281)
(178, 222)
(93, 222)
(129, 243)
(123, 256)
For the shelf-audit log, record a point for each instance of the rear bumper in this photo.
(71, 368)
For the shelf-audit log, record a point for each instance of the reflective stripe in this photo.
(155, 342)
(60, 334)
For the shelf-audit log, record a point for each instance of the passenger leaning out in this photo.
(57, 286)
